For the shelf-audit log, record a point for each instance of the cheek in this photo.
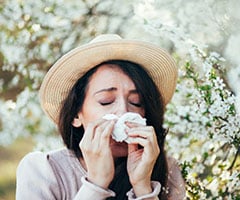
(87, 118)
(90, 115)
(140, 111)
(88, 112)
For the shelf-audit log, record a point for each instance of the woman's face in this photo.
(110, 91)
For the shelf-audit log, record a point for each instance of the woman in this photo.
(109, 75)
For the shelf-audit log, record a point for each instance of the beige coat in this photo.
(59, 175)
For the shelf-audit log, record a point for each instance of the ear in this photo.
(77, 122)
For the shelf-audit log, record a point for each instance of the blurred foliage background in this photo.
(203, 118)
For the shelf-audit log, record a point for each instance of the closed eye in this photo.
(136, 104)
(105, 103)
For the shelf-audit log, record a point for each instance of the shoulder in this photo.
(44, 162)
(176, 184)
(34, 159)
(38, 159)
(60, 155)
(63, 160)
(41, 164)
(34, 165)
(35, 178)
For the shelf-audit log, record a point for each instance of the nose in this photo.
(122, 107)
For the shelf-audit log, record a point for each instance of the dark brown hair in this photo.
(154, 111)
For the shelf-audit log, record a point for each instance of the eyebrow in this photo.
(113, 89)
(106, 90)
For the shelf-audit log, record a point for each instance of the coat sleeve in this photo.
(176, 184)
(156, 187)
(90, 191)
(36, 179)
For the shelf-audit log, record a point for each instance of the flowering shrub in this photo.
(205, 133)
(33, 35)
(204, 115)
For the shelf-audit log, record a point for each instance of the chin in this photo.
(119, 149)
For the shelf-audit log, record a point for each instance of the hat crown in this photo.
(105, 37)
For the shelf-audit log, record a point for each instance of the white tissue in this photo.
(119, 133)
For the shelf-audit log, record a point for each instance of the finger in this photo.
(90, 130)
(106, 133)
(132, 148)
(89, 134)
(103, 131)
(141, 141)
(150, 148)
(134, 124)
(147, 144)
(143, 132)
(97, 144)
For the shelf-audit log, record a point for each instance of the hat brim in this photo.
(69, 68)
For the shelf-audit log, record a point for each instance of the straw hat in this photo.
(70, 67)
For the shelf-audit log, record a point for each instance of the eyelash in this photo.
(137, 104)
(134, 104)
(105, 103)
